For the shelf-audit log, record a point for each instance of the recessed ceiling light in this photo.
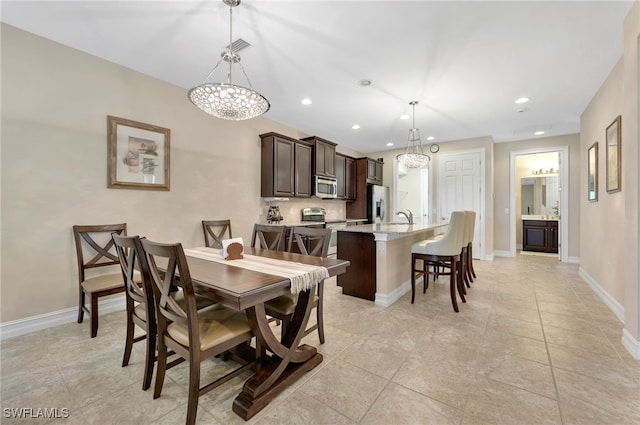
(404, 117)
(306, 101)
(522, 100)
(355, 127)
(430, 138)
(364, 83)
(389, 144)
(538, 133)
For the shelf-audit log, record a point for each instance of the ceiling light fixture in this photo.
(538, 133)
(413, 156)
(521, 100)
(355, 127)
(431, 138)
(227, 100)
(404, 117)
(389, 144)
(306, 101)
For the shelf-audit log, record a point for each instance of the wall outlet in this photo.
(506, 210)
(261, 211)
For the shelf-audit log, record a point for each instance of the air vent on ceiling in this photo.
(238, 45)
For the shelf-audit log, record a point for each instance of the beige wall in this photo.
(602, 222)
(54, 143)
(609, 227)
(502, 178)
(630, 164)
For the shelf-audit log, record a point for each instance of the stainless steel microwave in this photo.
(325, 187)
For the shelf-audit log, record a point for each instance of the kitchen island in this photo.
(380, 257)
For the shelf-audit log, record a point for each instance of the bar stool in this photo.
(471, 226)
(444, 252)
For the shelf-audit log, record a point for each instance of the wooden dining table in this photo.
(243, 289)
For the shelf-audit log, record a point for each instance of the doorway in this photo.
(560, 207)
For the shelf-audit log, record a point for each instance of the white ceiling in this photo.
(465, 62)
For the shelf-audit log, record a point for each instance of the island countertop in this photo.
(395, 229)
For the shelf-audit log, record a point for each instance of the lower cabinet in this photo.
(360, 278)
(540, 235)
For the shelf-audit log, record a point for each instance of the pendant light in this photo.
(227, 100)
(413, 156)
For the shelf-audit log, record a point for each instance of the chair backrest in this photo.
(94, 246)
(310, 241)
(453, 240)
(470, 227)
(268, 236)
(168, 264)
(132, 258)
(214, 232)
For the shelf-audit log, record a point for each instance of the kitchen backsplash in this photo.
(290, 210)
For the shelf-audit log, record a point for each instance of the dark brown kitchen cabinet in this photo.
(285, 166)
(368, 171)
(374, 171)
(540, 235)
(346, 177)
(324, 156)
(303, 155)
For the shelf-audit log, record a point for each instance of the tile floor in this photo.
(533, 345)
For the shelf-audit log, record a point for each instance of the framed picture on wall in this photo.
(592, 173)
(614, 155)
(138, 155)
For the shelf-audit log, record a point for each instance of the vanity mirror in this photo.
(539, 196)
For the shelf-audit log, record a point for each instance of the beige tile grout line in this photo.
(546, 347)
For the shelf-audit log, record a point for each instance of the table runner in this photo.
(302, 276)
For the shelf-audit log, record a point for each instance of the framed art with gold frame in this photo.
(614, 155)
(592, 173)
(138, 155)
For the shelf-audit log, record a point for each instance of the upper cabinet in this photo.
(346, 176)
(324, 162)
(374, 170)
(286, 166)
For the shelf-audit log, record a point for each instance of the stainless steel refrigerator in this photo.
(378, 204)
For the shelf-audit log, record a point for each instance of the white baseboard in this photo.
(55, 318)
(614, 305)
(385, 300)
(631, 344)
(573, 260)
(502, 253)
(488, 257)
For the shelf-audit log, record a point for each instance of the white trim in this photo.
(564, 197)
(614, 305)
(574, 260)
(503, 253)
(385, 300)
(55, 318)
(631, 344)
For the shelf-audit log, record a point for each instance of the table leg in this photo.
(288, 362)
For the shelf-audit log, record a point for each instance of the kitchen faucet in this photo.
(408, 216)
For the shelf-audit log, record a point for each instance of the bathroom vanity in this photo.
(540, 233)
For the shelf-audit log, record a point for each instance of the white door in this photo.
(459, 188)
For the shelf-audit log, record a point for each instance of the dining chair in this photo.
(269, 236)
(141, 309)
(214, 232)
(95, 250)
(194, 335)
(308, 241)
(442, 253)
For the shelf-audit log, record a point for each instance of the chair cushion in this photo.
(217, 324)
(140, 311)
(200, 301)
(284, 305)
(106, 281)
(434, 247)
